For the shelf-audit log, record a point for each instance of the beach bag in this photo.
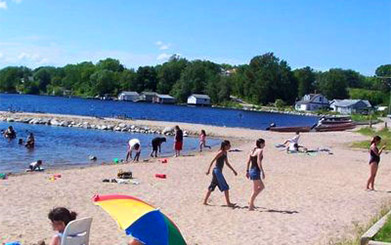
(124, 175)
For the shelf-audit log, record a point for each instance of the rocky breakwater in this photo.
(91, 123)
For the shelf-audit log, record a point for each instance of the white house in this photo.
(129, 96)
(198, 99)
(163, 99)
(350, 106)
(312, 102)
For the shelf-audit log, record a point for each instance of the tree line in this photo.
(263, 81)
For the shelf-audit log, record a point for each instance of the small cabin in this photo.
(198, 99)
(312, 102)
(163, 99)
(129, 96)
(147, 96)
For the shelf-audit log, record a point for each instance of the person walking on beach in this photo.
(203, 140)
(156, 145)
(218, 177)
(374, 154)
(178, 141)
(133, 145)
(255, 171)
(60, 217)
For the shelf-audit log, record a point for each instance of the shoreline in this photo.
(309, 199)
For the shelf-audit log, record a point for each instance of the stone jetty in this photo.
(71, 121)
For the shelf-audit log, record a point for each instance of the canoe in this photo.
(290, 129)
(335, 127)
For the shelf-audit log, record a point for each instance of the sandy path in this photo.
(307, 200)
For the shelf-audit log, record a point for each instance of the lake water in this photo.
(149, 111)
(59, 146)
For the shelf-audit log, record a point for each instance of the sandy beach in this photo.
(309, 199)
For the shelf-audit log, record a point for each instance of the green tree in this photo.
(102, 82)
(333, 84)
(169, 73)
(110, 64)
(271, 79)
(305, 78)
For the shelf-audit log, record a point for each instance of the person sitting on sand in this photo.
(133, 145)
(30, 141)
(34, 166)
(60, 217)
(203, 140)
(10, 133)
(374, 161)
(218, 177)
(293, 144)
(178, 145)
(254, 173)
(157, 145)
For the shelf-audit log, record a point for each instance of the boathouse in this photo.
(129, 96)
(198, 99)
(163, 99)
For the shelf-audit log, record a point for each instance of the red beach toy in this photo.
(161, 176)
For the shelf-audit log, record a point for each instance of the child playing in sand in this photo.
(374, 160)
(178, 145)
(157, 145)
(60, 217)
(35, 165)
(203, 140)
(218, 177)
(133, 145)
(254, 173)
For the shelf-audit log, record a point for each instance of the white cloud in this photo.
(163, 56)
(3, 5)
(1, 55)
(162, 46)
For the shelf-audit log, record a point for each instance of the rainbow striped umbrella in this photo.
(140, 220)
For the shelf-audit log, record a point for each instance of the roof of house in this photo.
(348, 103)
(148, 93)
(200, 96)
(129, 93)
(164, 96)
(311, 100)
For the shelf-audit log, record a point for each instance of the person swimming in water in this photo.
(10, 133)
(30, 141)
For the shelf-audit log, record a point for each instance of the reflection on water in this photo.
(59, 146)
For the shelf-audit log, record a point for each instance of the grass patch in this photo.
(384, 234)
(361, 229)
(364, 118)
(385, 135)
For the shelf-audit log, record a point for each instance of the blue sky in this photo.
(351, 34)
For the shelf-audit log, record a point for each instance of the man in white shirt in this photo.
(134, 145)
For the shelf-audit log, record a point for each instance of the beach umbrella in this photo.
(140, 220)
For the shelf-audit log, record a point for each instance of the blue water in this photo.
(173, 113)
(60, 146)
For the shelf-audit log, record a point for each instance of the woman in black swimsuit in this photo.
(374, 160)
(255, 171)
